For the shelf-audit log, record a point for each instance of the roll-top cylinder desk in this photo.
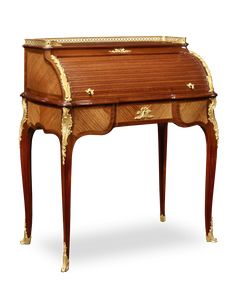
(79, 86)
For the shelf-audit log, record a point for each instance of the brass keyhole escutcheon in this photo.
(90, 91)
(190, 85)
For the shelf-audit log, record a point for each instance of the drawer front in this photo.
(143, 113)
(93, 120)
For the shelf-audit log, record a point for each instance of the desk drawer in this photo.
(143, 112)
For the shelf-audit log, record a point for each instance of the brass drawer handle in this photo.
(90, 91)
(119, 50)
(144, 113)
(190, 85)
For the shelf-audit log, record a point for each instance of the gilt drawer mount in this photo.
(81, 86)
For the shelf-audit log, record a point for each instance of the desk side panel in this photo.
(41, 79)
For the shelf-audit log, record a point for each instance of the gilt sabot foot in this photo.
(26, 240)
(162, 218)
(210, 236)
(65, 263)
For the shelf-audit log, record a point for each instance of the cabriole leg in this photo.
(162, 144)
(26, 135)
(67, 144)
(211, 133)
(66, 166)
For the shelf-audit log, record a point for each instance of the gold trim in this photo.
(162, 218)
(120, 50)
(210, 236)
(26, 240)
(24, 118)
(66, 130)
(44, 43)
(65, 262)
(64, 82)
(57, 42)
(144, 113)
(209, 77)
(212, 118)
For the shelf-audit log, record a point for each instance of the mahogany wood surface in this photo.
(211, 148)
(25, 154)
(124, 77)
(66, 192)
(144, 73)
(146, 85)
(41, 78)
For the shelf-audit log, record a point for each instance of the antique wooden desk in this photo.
(79, 86)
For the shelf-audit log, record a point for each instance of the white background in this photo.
(118, 245)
